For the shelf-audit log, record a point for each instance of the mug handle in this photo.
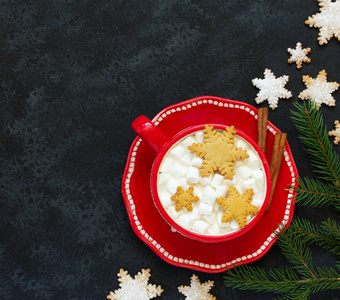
(149, 133)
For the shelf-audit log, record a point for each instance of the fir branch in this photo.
(246, 277)
(303, 279)
(313, 134)
(283, 281)
(296, 253)
(337, 265)
(332, 227)
(315, 193)
(297, 282)
(327, 235)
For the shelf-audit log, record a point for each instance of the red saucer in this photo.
(175, 248)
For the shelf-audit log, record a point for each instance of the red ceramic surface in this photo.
(155, 138)
(151, 227)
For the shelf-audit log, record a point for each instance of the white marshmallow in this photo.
(213, 229)
(216, 207)
(235, 181)
(241, 143)
(257, 200)
(216, 180)
(234, 225)
(211, 218)
(188, 141)
(194, 213)
(200, 226)
(192, 175)
(197, 192)
(196, 162)
(172, 185)
(173, 213)
(183, 183)
(186, 160)
(249, 184)
(178, 170)
(209, 195)
(199, 137)
(205, 209)
(186, 220)
(163, 178)
(240, 189)
(205, 180)
(243, 171)
(253, 160)
(177, 152)
(259, 177)
(228, 182)
(239, 163)
(165, 198)
(221, 191)
(167, 164)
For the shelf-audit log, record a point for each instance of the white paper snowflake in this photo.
(319, 90)
(135, 289)
(196, 290)
(299, 55)
(271, 88)
(328, 20)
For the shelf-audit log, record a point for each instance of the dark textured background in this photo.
(74, 75)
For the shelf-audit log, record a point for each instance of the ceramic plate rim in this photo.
(156, 246)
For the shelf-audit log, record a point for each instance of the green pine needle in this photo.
(326, 235)
(332, 227)
(315, 193)
(303, 278)
(308, 120)
(297, 253)
(296, 282)
(283, 281)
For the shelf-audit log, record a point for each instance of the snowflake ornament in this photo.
(336, 132)
(218, 152)
(319, 90)
(135, 289)
(299, 55)
(271, 88)
(197, 290)
(328, 20)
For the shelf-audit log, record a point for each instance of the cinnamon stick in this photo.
(262, 120)
(276, 159)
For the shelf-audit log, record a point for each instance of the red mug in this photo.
(161, 144)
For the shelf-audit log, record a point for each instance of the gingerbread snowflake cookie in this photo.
(184, 198)
(319, 90)
(335, 132)
(137, 288)
(328, 20)
(218, 152)
(197, 290)
(271, 88)
(299, 55)
(237, 206)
